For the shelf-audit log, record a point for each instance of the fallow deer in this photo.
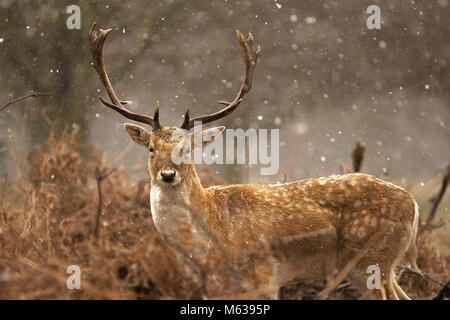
(272, 235)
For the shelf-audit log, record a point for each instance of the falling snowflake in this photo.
(310, 20)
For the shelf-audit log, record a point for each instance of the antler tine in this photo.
(96, 43)
(250, 56)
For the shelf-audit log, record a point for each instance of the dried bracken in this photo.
(48, 222)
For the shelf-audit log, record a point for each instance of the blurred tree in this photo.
(316, 55)
(40, 53)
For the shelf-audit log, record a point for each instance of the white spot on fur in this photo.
(373, 222)
(361, 232)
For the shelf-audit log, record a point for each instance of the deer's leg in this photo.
(392, 294)
(373, 286)
(386, 251)
(390, 291)
(274, 294)
(358, 277)
(400, 291)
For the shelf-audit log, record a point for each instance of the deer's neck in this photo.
(175, 209)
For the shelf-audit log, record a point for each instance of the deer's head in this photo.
(166, 143)
(162, 141)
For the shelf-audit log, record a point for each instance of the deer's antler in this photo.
(250, 57)
(96, 42)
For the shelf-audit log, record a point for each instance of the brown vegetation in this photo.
(48, 221)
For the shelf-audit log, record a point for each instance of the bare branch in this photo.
(438, 199)
(100, 175)
(358, 156)
(31, 95)
(423, 275)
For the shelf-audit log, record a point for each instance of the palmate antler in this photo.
(96, 42)
(250, 58)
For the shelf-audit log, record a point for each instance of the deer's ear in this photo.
(206, 136)
(138, 134)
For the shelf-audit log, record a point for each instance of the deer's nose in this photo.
(168, 175)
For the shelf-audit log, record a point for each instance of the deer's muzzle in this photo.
(168, 175)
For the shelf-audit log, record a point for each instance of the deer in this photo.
(271, 235)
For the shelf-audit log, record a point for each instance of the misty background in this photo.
(323, 78)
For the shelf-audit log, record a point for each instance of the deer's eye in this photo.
(151, 149)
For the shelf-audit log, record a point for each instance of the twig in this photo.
(440, 195)
(425, 275)
(18, 235)
(344, 285)
(31, 95)
(344, 169)
(343, 273)
(100, 176)
(358, 156)
(444, 292)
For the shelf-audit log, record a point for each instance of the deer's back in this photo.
(354, 204)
